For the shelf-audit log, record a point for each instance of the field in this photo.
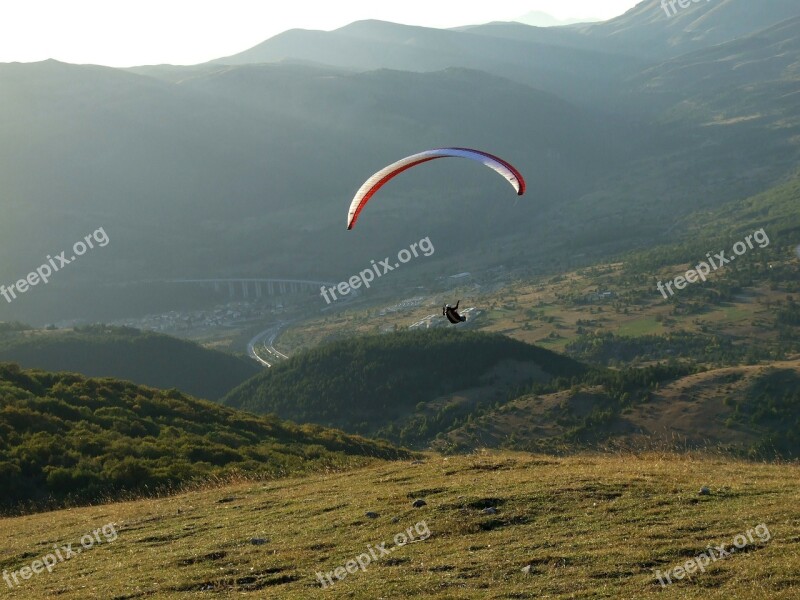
(587, 526)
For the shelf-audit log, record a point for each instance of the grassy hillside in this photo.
(68, 439)
(587, 526)
(124, 353)
(750, 411)
(376, 384)
(367, 388)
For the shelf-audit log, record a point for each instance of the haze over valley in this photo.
(251, 324)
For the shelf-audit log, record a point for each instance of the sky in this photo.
(122, 33)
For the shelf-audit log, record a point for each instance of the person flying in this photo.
(451, 312)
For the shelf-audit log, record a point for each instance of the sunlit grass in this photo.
(639, 327)
(591, 526)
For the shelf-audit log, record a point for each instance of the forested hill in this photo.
(125, 353)
(68, 439)
(363, 384)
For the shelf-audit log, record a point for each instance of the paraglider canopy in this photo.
(379, 179)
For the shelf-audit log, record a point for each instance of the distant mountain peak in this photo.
(538, 18)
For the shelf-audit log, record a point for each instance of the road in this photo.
(273, 354)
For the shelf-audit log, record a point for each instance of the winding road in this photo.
(273, 354)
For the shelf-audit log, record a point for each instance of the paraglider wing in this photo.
(379, 179)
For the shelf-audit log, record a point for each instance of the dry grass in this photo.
(591, 526)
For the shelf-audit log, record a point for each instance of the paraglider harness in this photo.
(452, 313)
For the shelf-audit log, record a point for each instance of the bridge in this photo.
(259, 287)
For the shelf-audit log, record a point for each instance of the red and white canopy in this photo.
(379, 179)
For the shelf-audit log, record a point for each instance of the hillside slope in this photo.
(538, 60)
(373, 385)
(740, 87)
(651, 30)
(748, 410)
(651, 33)
(123, 353)
(588, 525)
(67, 439)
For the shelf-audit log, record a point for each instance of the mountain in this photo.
(649, 30)
(229, 170)
(537, 18)
(245, 170)
(693, 114)
(745, 83)
(652, 34)
(561, 68)
(375, 385)
(150, 359)
(67, 439)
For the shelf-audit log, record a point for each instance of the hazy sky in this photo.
(127, 32)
